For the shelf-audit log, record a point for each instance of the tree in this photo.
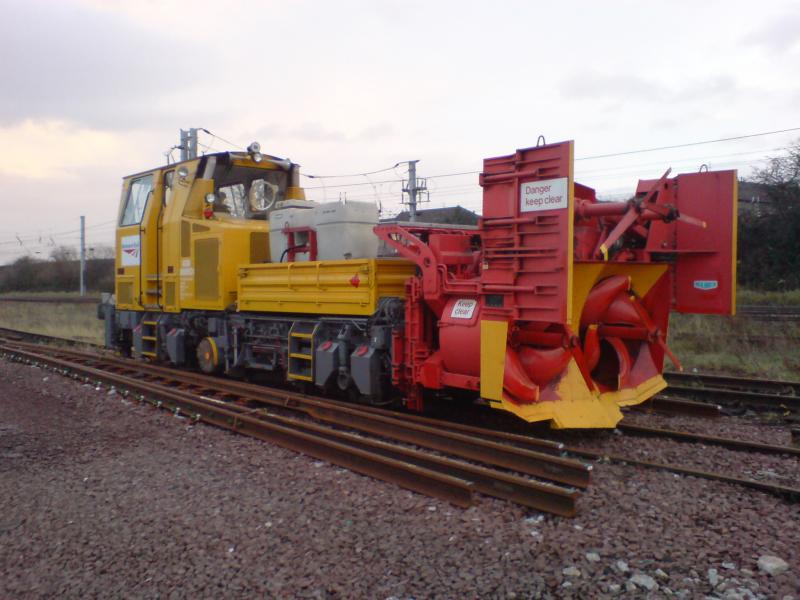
(65, 268)
(769, 257)
(22, 274)
(62, 254)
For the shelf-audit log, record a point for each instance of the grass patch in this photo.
(69, 320)
(790, 298)
(736, 345)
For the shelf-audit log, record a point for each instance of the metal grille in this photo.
(125, 292)
(169, 291)
(186, 239)
(259, 247)
(206, 269)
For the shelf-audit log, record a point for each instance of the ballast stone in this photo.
(645, 581)
(772, 565)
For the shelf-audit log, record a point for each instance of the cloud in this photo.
(376, 132)
(779, 35)
(52, 149)
(594, 84)
(621, 88)
(316, 132)
(74, 63)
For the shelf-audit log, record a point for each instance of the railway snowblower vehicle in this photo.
(554, 308)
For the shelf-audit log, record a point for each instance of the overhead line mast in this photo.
(413, 187)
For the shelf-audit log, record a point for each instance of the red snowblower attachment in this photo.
(557, 307)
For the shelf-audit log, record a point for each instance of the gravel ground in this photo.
(104, 498)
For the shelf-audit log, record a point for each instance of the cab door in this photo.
(138, 279)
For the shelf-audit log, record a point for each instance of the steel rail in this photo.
(17, 335)
(757, 400)
(52, 299)
(781, 491)
(542, 496)
(777, 387)
(788, 493)
(506, 486)
(712, 440)
(531, 461)
(403, 473)
(678, 406)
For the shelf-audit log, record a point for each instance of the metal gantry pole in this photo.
(184, 145)
(412, 190)
(188, 145)
(413, 187)
(192, 143)
(83, 256)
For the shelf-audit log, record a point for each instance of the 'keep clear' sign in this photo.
(548, 194)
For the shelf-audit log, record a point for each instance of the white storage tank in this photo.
(344, 230)
(289, 214)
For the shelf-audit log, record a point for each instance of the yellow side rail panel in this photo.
(494, 338)
(331, 287)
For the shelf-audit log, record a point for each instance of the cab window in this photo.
(138, 195)
(231, 201)
(246, 192)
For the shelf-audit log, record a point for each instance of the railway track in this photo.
(54, 299)
(435, 462)
(437, 448)
(766, 386)
(711, 440)
(709, 395)
(16, 335)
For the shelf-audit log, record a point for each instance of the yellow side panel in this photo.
(335, 287)
(494, 338)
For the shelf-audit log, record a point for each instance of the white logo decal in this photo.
(549, 194)
(701, 284)
(463, 309)
(131, 251)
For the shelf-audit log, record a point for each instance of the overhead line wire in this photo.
(728, 139)
(625, 153)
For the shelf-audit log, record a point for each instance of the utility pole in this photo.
(413, 187)
(83, 255)
(188, 143)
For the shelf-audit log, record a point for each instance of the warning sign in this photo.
(463, 308)
(549, 194)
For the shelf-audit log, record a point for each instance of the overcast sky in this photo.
(93, 90)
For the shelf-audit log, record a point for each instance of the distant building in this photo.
(753, 193)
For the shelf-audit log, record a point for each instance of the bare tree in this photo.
(768, 256)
